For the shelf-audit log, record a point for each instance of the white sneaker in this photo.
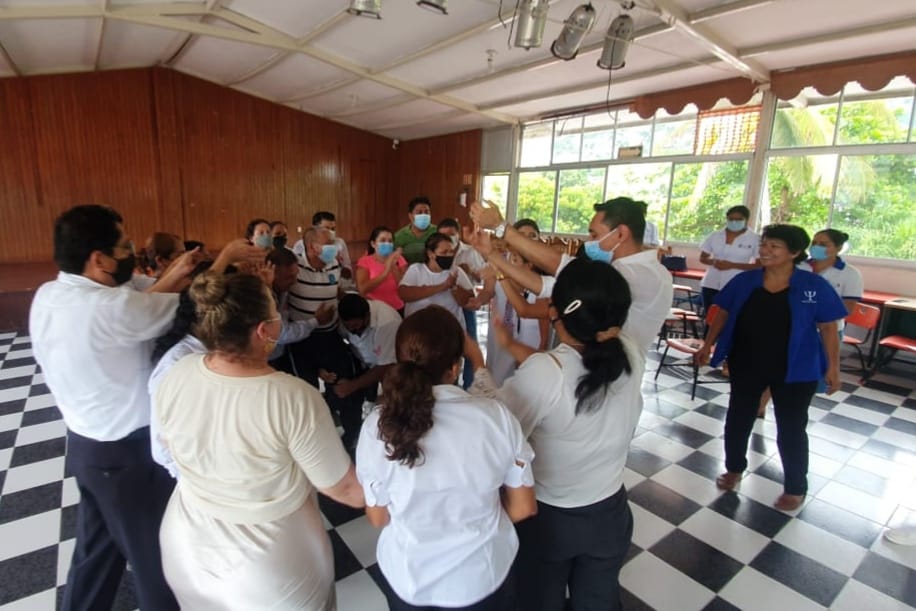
(905, 535)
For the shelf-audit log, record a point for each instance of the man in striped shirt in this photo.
(324, 353)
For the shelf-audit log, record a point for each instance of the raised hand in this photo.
(486, 214)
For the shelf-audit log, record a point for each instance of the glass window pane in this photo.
(887, 119)
(874, 205)
(633, 136)
(647, 182)
(701, 194)
(580, 190)
(598, 145)
(674, 137)
(798, 191)
(496, 189)
(536, 194)
(567, 140)
(536, 144)
(602, 119)
(808, 120)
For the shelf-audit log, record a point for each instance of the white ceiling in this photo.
(416, 73)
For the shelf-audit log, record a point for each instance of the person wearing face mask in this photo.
(616, 231)
(160, 250)
(258, 233)
(323, 354)
(279, 234)
(369, 326)
(252, 446)
(437, 281)
(379, 272)
(824, 259)
(728, 252)
(327, 220)
(411, 238)
(92, 338)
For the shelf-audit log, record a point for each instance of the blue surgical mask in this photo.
(736, 226)
(594, 251)
(384, 248)
(421, 221)
(264, 241)
(328, 253)
(818, 252)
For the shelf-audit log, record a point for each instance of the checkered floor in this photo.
(693, 547)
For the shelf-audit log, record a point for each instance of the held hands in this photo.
(702, 356)
(392, 261)
(723, 265)
(344, 387)
(325, 314)
(327, 376)
(451, 281)
(486, 214)
(480, 240)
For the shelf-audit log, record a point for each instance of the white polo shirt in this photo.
(743, 249)
(449, 542)
(93, 343)
(419, 274)
(843, 277)
(375, 346)
(650, 293)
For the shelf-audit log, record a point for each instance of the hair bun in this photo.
(208, 290)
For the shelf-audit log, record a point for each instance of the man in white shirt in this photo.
(616, 233)
(650, 235)
(92, 335)
(370, 326)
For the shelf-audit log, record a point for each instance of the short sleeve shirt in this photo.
(376, 346)
(743, 249)
(413, 247)
(419, 274)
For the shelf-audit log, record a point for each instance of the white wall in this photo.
(897, 277)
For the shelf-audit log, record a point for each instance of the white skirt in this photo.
(284, 565)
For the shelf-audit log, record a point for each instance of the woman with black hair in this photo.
(579, 405)
(258, 233)
(437, 281)
(825, 260)
(445, 474)
(379, 271)
(777, 327)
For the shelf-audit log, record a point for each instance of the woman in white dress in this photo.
(445, 475)
(251, 445)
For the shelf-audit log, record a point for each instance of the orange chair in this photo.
(892, 343)
(689, 346)
(866, 317)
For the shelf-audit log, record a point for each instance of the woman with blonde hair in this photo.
(252, 446)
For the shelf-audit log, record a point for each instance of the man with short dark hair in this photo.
(370, 327)
(411, 238)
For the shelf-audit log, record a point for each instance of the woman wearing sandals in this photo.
(778, 327)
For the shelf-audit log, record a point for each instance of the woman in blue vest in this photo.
(778, 328)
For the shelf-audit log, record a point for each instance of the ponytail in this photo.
(407, 413)
(604, 362)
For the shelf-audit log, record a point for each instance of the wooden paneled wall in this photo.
(175, 153)
(440, 168)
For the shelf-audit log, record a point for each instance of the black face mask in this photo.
(279, 241)
(124, 271)
(444, 262)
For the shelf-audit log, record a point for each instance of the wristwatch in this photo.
(500, 231)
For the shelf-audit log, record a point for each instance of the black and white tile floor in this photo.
(693, 546)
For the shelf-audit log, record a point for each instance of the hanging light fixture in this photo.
(366, 8)
(532, 18)
(616, 43)
(434, 5)
(576, 26)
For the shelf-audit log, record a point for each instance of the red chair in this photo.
(892, 343)
(866, 317)
(689, 346)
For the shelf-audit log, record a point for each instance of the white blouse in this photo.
(449, 543)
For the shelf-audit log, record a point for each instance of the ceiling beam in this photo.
(98, 47)
(792, 43)
(373, 106)
(268, 37)
(676, 17)
(9, 60)
(729, 8)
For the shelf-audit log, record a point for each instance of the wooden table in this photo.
(690, 274)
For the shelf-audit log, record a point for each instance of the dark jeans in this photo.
(470, 321)
(327, 350)
(123, 495)
(582, 548)
(790, 405)
(503, 599)
(709, 297)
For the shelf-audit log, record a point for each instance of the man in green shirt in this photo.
(411, 238)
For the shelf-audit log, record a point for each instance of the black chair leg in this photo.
(696, 377)
(661, 363)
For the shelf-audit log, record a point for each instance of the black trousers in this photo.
(709, 297)
(123, 495)
(327, 350)
(790, 405)
(582, 548)
(503, 599)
